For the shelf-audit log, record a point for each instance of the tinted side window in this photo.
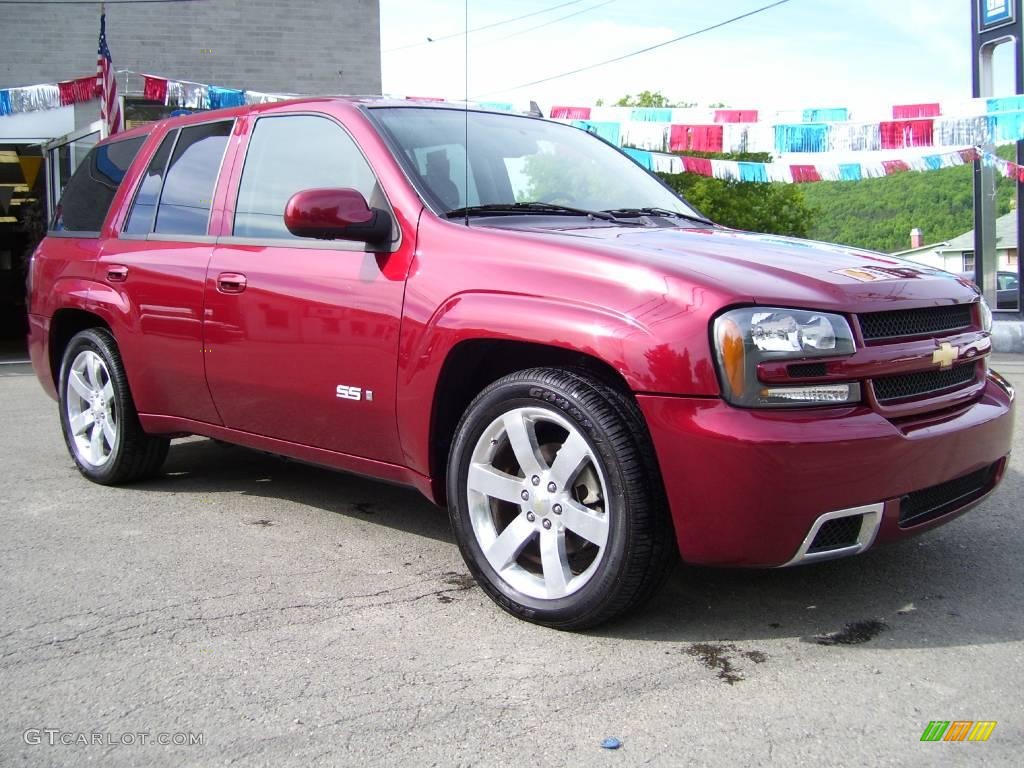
(140, 220)
(190, 179)
(291, 153)
(91, 190)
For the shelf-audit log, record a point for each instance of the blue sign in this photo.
(994, 13)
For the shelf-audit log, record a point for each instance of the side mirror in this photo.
(336, 214)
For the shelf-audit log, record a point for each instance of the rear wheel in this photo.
(98, 417)
(555, 500)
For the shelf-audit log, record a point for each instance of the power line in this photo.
(430, 40)
(90, 2)
(637, 53)
(549, 23)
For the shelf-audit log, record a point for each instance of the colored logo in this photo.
(958, 730)
(945, 355)
(995, 13)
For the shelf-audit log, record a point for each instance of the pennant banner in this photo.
(735, 170)
(177, 93)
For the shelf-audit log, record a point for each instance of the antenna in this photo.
(465, 111)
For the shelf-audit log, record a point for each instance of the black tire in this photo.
(640, 546)
(135, 455)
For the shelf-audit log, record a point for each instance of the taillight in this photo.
(28, 280)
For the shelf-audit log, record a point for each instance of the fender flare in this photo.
(621, 342)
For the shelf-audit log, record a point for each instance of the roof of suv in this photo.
(347, 101)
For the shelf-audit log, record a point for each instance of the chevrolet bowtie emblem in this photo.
(945, 355)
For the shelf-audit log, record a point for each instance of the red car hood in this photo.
(769, 269)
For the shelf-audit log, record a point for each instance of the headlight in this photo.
(745, 337)
(986, 315)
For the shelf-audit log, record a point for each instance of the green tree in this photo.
(775, 208)
(878, 214)
(651, 99)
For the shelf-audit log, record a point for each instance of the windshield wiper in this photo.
(652, 211)
(528, 208)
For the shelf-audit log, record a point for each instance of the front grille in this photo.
(891, 388)
(894, 324)
(837, 533)
(929, 503)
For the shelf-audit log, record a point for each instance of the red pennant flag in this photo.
(570, 113)
(679, 138)
(804, 173)
(894, 166)
(699, 165)
(735, 115)
(76, 91)
(910, 111)
(155, 89)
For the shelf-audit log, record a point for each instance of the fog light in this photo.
(817, 393)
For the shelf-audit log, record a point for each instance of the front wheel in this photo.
(97, 414)
(555, 499)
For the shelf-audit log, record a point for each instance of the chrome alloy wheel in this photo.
(92, 409)
(538, 502)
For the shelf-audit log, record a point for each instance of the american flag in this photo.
(106, 83)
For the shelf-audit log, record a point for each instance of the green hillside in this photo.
(879, 213)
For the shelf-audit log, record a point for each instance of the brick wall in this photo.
(300, 46)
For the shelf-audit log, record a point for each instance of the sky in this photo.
(805, 53)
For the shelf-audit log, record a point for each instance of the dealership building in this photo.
(265, 46)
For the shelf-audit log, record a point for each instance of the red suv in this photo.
(514, 317)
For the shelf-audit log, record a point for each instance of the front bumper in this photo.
(745, 487)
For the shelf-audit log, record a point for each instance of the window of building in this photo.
(187, 195)
(969, 261)
(291, 153)
(89, 193)
(140, 220)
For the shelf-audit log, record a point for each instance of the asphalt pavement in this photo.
(283, 615)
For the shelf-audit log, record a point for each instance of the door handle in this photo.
(230, 282)
(117, 273)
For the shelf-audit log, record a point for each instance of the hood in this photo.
(768, 269)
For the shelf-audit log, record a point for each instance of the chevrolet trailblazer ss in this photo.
(536, 333)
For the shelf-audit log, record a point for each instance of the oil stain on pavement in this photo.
(717, 656)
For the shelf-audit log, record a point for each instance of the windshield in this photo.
(514, 159)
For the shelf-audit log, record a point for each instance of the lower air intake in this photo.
(838, 533)
(929, 503)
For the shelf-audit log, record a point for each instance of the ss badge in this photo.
(352, 393)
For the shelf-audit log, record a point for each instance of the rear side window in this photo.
(187, 194)
(140, 220)
(91, 190)
(288, 154)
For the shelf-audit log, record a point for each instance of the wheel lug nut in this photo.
(535, 480)
(531, 517)
(552, 487)
(546, 523)
(557, 509)
(525, 495)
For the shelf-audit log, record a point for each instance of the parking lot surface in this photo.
(288, 615)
